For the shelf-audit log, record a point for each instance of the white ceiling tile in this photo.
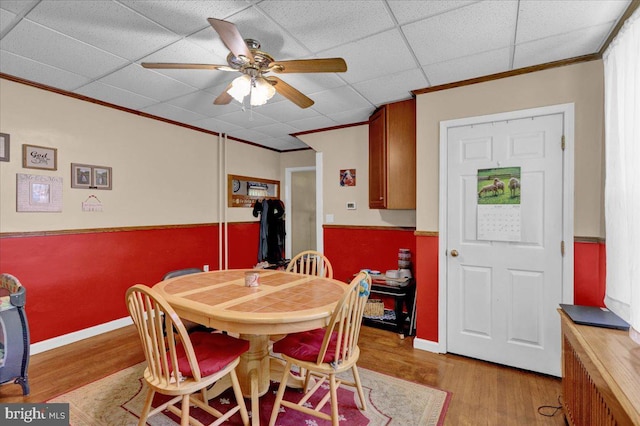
(471, 66)
(249, 135)
(17, 6)
(392, 87)
(380, 54)
(247, 119)
(315, 23)
(313, 123)
(391, 47)
(537, 20)
(114, 95)
(411, 10)
(6, 18)
(39, 72)
(276, 129)
(104, 24)
(284, 143)
(185, 16)
(480, 27)
(559, 47)
(40, 44)
(200, 102)
(338, 100)
(286, 111)
(173, 113)
(352, 116)
(216, 125)
(150, 84)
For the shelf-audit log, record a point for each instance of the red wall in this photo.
(351, 249)
(76, 281)
(589, 273)
(427, 287)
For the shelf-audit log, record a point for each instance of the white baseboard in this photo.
(65, 339)
(428, 345)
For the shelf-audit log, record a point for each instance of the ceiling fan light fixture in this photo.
(261, 92)
(240, 87)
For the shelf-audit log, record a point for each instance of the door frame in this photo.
(287, 202)
(567, 111)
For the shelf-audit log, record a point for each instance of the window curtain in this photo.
(622, 182)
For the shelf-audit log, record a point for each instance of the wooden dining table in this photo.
(282, 303)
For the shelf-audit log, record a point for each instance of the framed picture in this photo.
(102, 177)
(38, 193)
(4, 147)
(39, 157)
(90, 177)
(348, 177)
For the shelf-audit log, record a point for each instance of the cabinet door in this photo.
(401, 155)
(378, 160)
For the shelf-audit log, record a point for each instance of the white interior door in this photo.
(502, 296)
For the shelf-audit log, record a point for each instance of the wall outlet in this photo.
(205, 268)
(329, 218)
(351, 205)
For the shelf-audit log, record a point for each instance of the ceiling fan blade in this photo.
(231, 38)
(175, 66)
(309, 65)
(224, 98)
(289, 92)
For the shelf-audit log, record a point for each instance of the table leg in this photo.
(253, 372)
(255, 359)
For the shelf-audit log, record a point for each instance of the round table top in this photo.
(282, 303)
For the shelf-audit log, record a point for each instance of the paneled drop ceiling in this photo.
(392, 47)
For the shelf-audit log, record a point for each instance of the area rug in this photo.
(117, 400)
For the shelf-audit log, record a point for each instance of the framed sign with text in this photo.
(39, 157)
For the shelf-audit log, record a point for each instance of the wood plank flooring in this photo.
(483, 393)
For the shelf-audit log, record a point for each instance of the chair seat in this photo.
(213, 352)
(306, 345)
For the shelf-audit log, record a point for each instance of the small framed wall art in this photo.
(4, 147)
(39, 157)
(91, 177)
(37, 193)
(348, 177)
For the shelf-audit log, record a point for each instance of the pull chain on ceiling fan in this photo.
(246, 57)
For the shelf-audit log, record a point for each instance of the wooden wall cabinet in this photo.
(392, 156)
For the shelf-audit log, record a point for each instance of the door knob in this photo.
(454, 253)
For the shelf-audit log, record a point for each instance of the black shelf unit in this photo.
(404, 307)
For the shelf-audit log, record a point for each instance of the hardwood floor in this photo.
(482, 393)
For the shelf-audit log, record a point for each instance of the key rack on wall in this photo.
(244, 190)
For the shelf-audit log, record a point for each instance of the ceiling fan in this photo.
(246, 57)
